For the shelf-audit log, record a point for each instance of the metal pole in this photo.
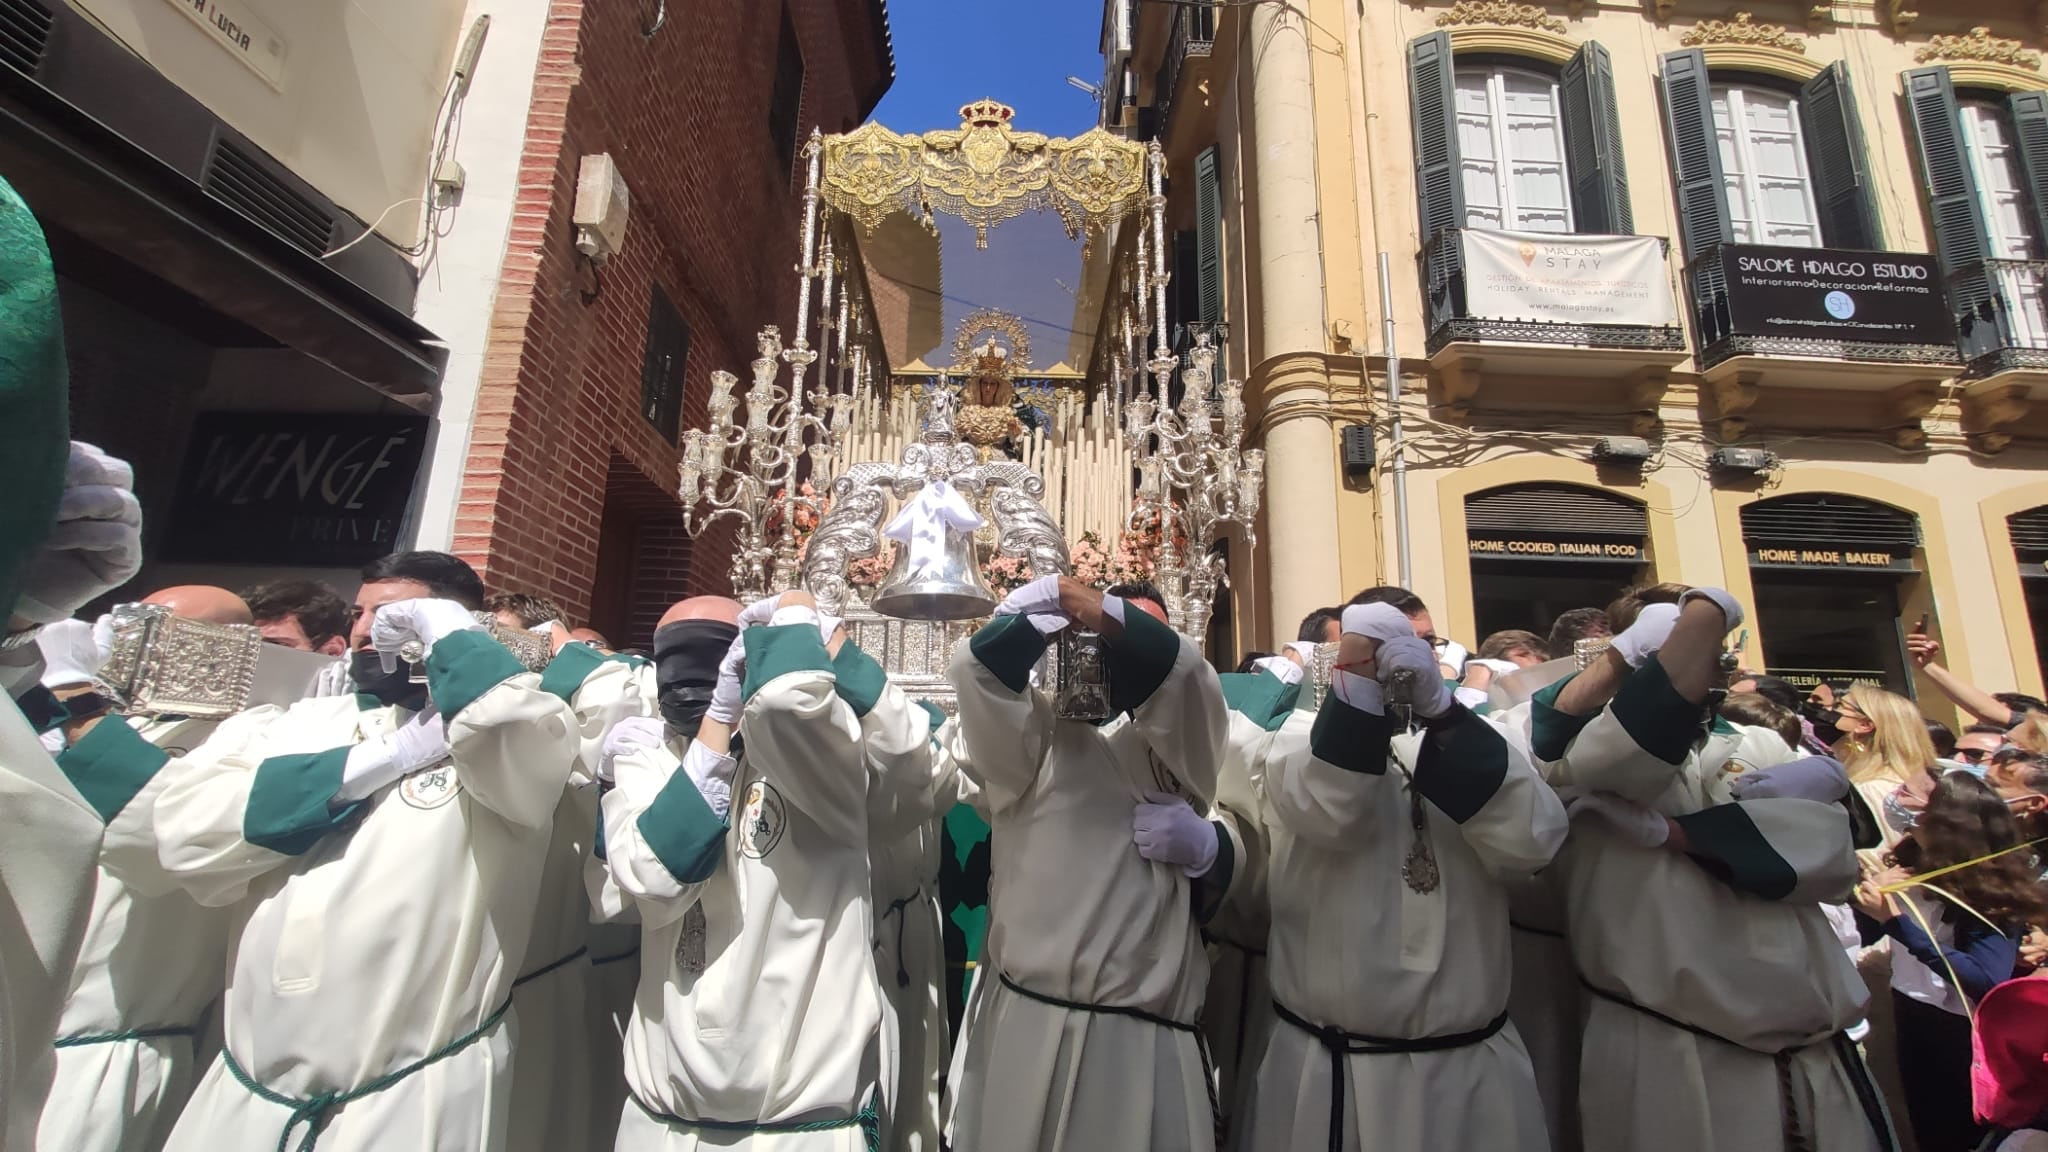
(1400, 460)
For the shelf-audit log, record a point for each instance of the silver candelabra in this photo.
(1195, 478)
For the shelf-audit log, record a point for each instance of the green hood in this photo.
(35, 434)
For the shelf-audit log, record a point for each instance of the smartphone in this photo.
(1921, 627)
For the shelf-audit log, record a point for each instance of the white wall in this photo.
(458, 288)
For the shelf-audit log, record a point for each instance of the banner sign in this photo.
(1555, 278)
(1835, 294)
(1789, 556)
(1607, 551)
(293, 488)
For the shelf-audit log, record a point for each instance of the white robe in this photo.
(758, 1004)
(1731, 940)
(553, 1091)
(1075, 913)
(152, 963)
(47, 875)
(373, 949)
(1355, 948)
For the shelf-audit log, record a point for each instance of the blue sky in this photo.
(1019, 52)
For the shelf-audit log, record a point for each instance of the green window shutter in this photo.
(1592, 143)
(1433, 103)
(1961, 241)
(1703, 223)
(1841, 167)
(1209, 232)
(2029, 112)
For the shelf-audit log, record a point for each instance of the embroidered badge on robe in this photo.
(430, 788)
(764, 822)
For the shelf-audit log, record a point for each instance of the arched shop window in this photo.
(1539, 550)
(2030, 544)
(1831, 573)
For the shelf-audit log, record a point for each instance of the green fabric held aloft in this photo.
(462, 667)
(1655, 716)
(1260, 697)
(35, 394)
(777, 651)
(1351, 738)
(1728, 843)
(1140, 660)
(860, 679)
(1462, 763)
(110, 764)
(1009, 647)
(288, 809)
(682, 831)
(566, 673)
(1551, 731)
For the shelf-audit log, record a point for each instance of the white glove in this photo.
(804, 614)
(1499, 668)
(629, 735)
(1039, 597)
(428, 621)
(1453, 656)
(1167, 831)
(1303, 651)
(1412, 654)
(1632, 822)
(52, 741)
(725, 695)
(1287, 670)
(96, 544)
(1719, 598)
(1356, 691)
(712, 773)
(1642, 639)
(759, 612)
(1113, 607)
(333, 680)
(70, 655)
(1381, 622)
(421, 742)
(1819, 778)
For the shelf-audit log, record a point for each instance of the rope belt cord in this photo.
(1797, 1138)
(615, 958)
(1532, 930)
(895, 909)
(868, 1120)
(1201, 1042)
(1339, 1044)
(169, 1030)
(315, 1111)
(564, 962)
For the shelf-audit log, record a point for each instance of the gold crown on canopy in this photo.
(986, 114)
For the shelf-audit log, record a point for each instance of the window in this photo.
(1511, 141)
(661, 366)
(785, 108)
(2009, 220)
(1763, 167)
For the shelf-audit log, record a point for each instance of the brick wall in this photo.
(684, 114)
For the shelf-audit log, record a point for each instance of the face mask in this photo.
(686, 658)
(391, 688)
(1976, 770)
(1824, 724)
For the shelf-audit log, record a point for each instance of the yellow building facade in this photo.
(1830, 350)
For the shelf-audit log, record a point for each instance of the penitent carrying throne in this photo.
(910, 497)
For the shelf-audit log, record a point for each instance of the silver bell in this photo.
(950, 588)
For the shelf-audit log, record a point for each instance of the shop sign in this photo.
(1607, 550)
(233, 26)
(1807, 679)
(1790, 556)
(294, 489)
(1835, 294)
(1552, 279)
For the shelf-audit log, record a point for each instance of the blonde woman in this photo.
(1884, 746)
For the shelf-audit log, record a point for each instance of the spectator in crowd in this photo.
(1522, 649)
(592, 637)
(1882, 740)
(1321, 626)
(302, 614)
(1576, 625)
(1757, 711)
(523, 610)
(2020, 777)
(1953, 944)
(1977, 744)
(2006, 709)
(2011, 1091)
(1943, 738)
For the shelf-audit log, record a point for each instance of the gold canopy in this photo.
(984, 173)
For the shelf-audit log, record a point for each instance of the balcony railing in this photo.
(1819, 303)
(2001, 316)
(1192, 38)
(1451, 319)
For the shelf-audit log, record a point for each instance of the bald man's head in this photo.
(723, 609)
(202, 602)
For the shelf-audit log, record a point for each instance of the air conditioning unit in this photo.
(1741, 461)
(601, 207)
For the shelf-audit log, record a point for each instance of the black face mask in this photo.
(1824, 723)
(394, 688)
(686, 658)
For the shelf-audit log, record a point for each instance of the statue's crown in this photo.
(986, 114)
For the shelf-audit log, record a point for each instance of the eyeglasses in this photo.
(1972, 755)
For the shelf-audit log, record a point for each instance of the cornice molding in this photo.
(1530, 42)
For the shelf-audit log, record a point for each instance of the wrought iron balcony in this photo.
(1193, 37)
(1836, 310)
(1452, 321)
(2001, 317)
